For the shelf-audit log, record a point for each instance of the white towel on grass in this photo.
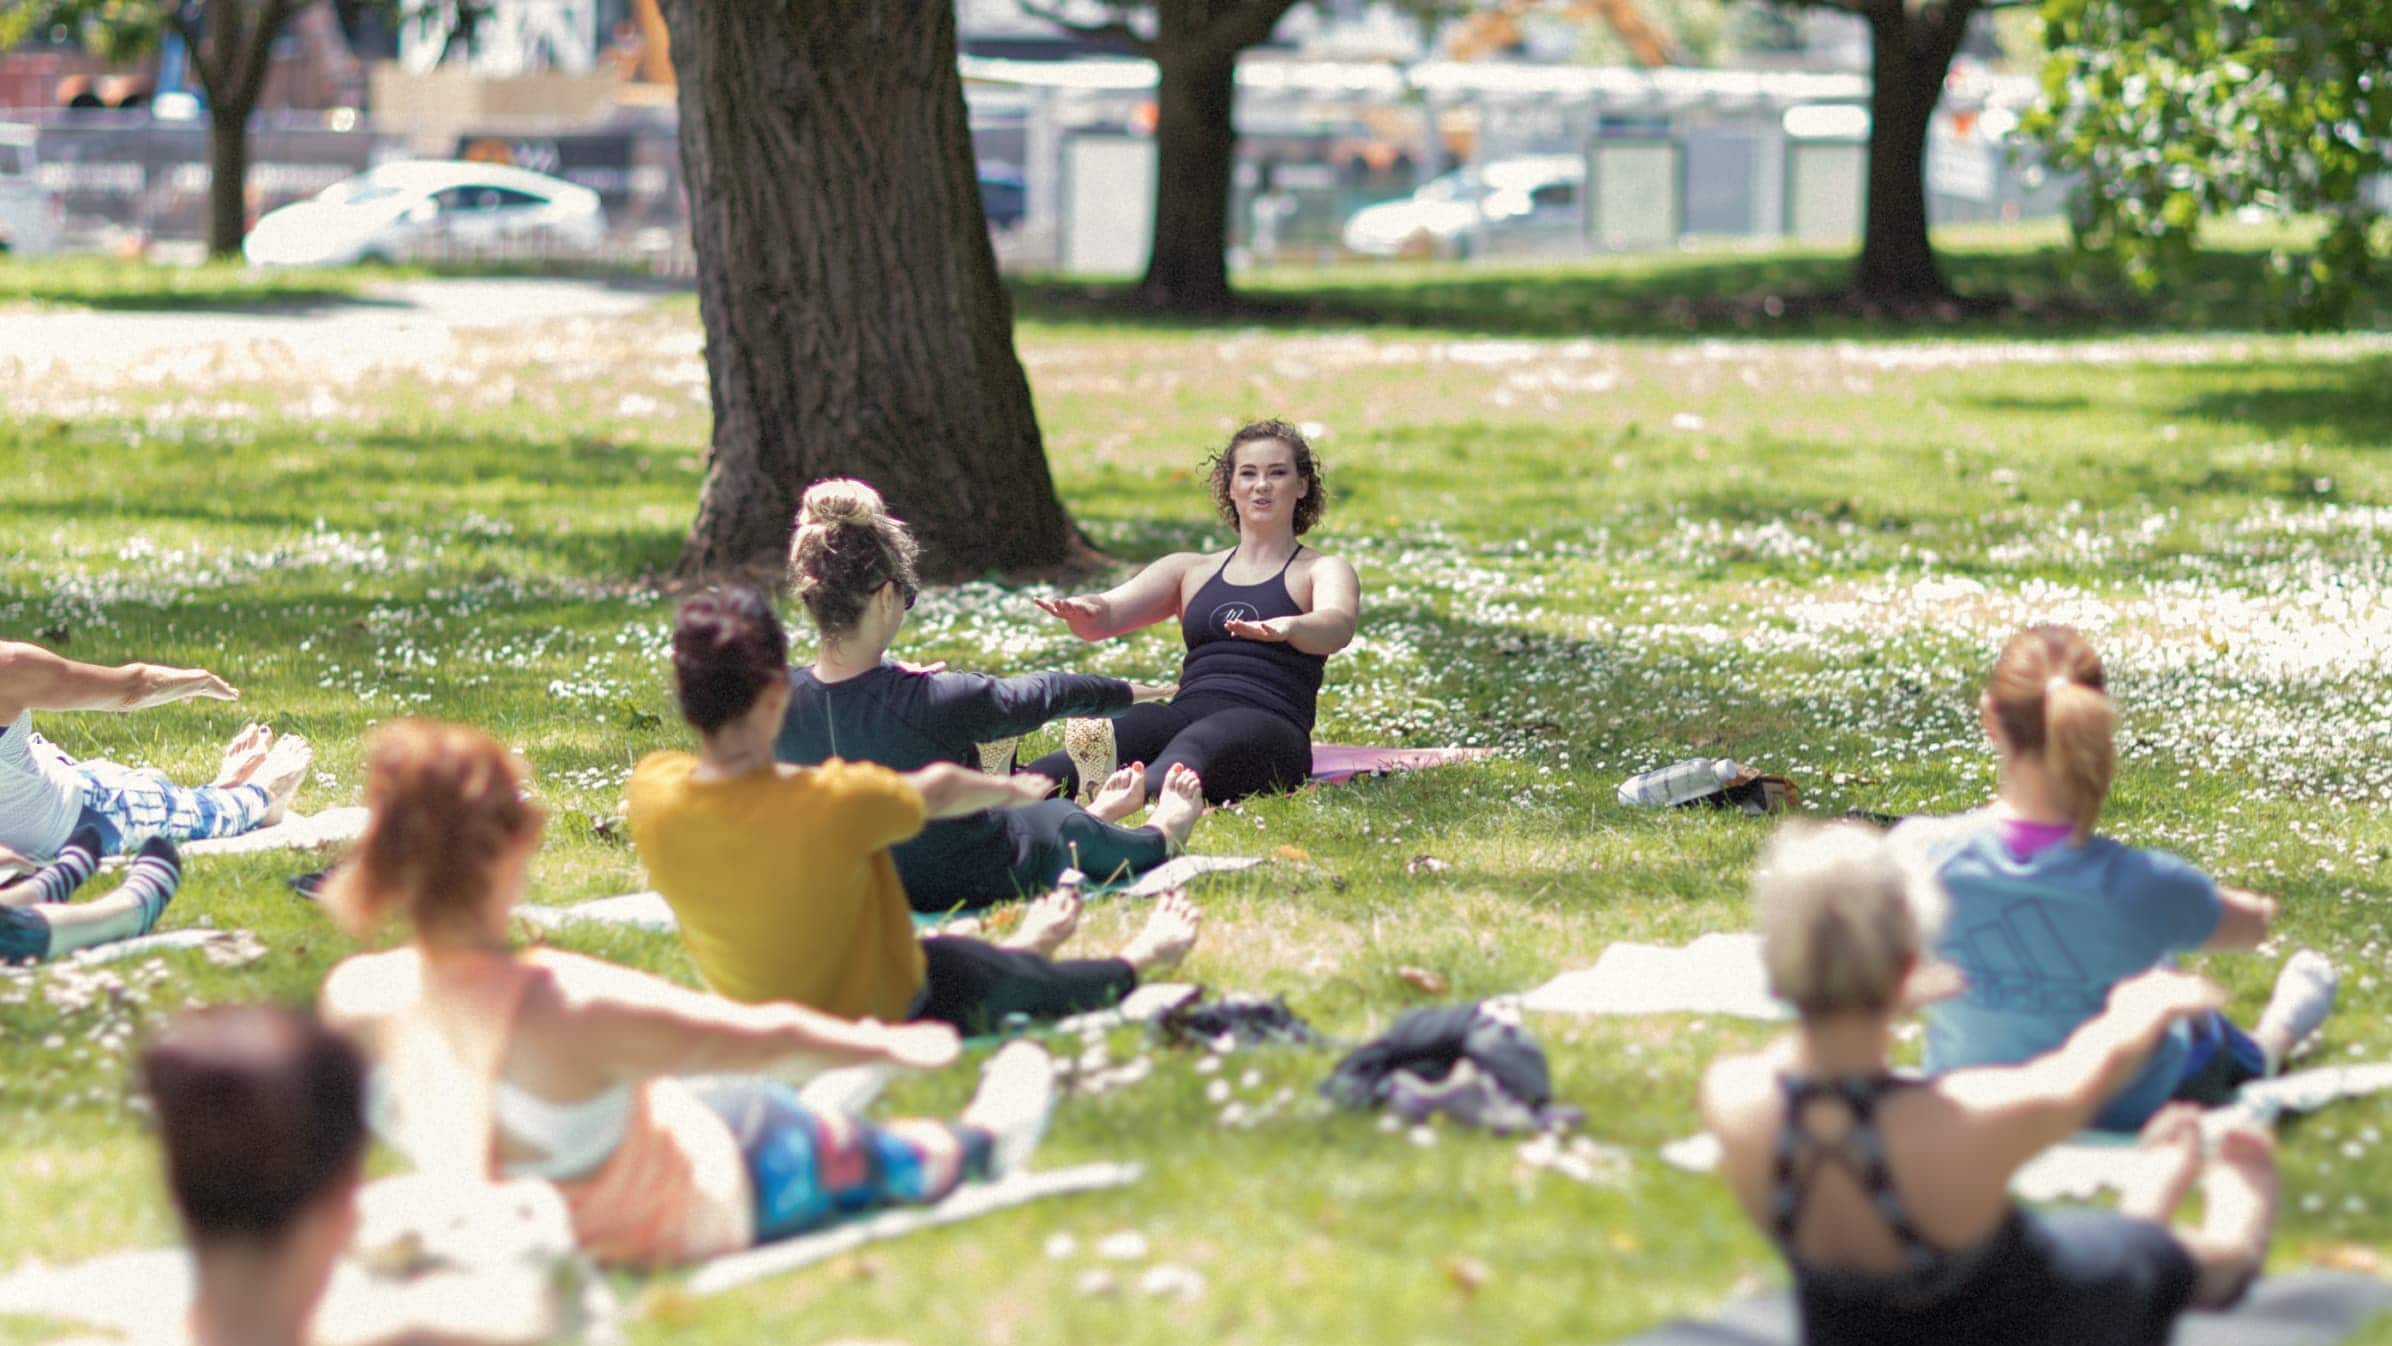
(968, 1202)
(649, 911)
(331, 827)
(1716, 974)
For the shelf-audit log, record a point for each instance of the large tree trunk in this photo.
(854, 321)
(228, 179)
(1909, 57)
(1196, 142)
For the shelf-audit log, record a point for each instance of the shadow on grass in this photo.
(2345, 404)
(2039, 291)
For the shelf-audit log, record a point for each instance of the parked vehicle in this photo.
(396, 209)
(1004, 194)
(1517, 205)
(31, 216)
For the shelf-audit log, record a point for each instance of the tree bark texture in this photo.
(232, 49)
(855, 324)
(1196, 142)
(1910, 54)
(228, 179)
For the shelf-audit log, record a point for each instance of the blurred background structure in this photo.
(1499, 130)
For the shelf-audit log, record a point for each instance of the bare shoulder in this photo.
(363, 991)
(1738, 1095)
(574, 985)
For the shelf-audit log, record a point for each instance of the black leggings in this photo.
(1056, 834)
(978, 987)
(1237, 749)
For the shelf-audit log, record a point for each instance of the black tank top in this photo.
(1268, 675)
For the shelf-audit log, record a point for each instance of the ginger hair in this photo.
(1843, 920)
(2051, 699)
(847, 546)
(446, 803)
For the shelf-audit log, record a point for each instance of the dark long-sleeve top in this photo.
(906, 721)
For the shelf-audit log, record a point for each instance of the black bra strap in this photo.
(1861, 1153)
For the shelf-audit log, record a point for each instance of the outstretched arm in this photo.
(1329, 627)
(32, 678)
(629, 1025)
(2243, 919)
(1150, 596)
(951, 791)
(2019, 1110)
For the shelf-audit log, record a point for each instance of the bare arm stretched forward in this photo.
(1150, 596)
(32, 678)
(951, 791)
(1328, 628)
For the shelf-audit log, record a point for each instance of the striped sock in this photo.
(156, 872)
(77, 861)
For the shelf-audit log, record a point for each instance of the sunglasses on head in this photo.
(907, 592)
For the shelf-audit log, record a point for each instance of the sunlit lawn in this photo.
(1595, 554)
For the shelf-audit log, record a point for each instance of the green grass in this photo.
(1596, 555)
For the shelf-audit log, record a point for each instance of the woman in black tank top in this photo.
(1260, 620)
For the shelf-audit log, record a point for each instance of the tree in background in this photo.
(1195, 45)
(1911, 47)
(2178, 110)
(232, 47)
(854, 322)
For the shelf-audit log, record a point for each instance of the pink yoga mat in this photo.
(1337, 763)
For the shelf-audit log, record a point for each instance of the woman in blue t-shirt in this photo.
(2047, 917)
(1260, 620)
(853, 567)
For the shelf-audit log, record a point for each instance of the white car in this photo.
(1504, 203)
(393, 210)
(30, 215)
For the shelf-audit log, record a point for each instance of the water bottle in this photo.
(1679, 782)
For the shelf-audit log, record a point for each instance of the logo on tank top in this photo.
(1234, 612)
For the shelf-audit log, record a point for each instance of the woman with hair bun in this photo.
(544, 1064)
(1260, 620)
(2049, 917)
(1888, 1194)
(782, 876)
(853, 567)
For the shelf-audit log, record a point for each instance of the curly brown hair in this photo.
(847, 546)
(1222, 465)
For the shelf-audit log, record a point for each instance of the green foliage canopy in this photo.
(2177, 110)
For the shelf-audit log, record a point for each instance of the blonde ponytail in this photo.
(2080, 747)
(2051, 698)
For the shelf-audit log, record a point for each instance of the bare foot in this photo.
(1122, 794)
(1179, 806)
(2173, 1138)
(2238, 1198)
(243, 756)
(1168, 935)
(1047, 923)
(285, 767)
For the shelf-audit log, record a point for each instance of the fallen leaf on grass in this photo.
(1424, 981)
(1468, 1274)
(2352, 1257)
(856, 1267)
(1291, 853)
(1425, 864)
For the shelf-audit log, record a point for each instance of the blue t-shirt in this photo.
(2045, 938)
